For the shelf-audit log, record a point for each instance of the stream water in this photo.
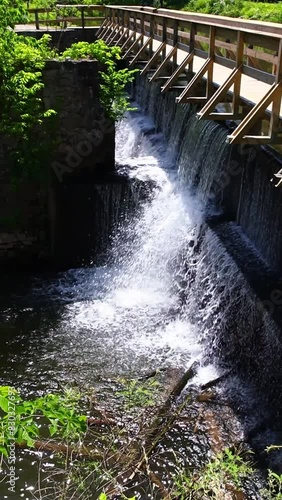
(159, 300)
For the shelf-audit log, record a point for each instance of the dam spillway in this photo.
(169, 290)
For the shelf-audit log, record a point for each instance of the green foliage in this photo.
(226, 468)
(114, 80)
(274, 481)
(103, 496)
(23, 120)
(58, 413)
(233, 8)
(11, 12)
(138, 394)
(274, 489)
(262, 11)
(98, 50)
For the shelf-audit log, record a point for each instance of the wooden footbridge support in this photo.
(238, 62)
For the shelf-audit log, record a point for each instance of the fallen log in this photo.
(162, 416)
(216, 381)
(135, 458)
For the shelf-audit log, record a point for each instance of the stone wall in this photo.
(30, 219)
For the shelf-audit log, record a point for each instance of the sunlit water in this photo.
(125, 317)
(129, 316)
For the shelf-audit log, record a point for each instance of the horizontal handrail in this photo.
(261, 27)
(192, 32)
(61, 14)
(233, 62)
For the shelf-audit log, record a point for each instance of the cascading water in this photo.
(168, 292)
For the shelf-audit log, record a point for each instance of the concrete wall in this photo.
(238, 180)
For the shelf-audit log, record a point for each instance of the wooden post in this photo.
(175, 42)
(152, 23)
(192, 44)
(275, 112)
(239, 62)
(36, 20)
(122, 19)
(211, 56)
(142, 23)
(164, 37)
(82, 17)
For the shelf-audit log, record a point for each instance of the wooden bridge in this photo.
(231, 67)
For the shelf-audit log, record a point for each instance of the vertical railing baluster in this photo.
(192, 43)
(175, 42)
(239, 62)
(164, 37)
(152, 24)
(275, 111)
(211, 55)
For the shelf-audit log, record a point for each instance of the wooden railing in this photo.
(246, 48)
(61, 15)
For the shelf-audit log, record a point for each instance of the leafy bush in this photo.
(11, 12)
(61, 415)
(23, 117)
(234, 8)
(114, 80)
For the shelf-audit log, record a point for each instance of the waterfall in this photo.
(169, 280)
(214, 296)
(177, 282)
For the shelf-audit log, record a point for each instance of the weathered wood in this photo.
(116, 35)
(253, 117)
(129, 38)
(140, 52)
(164, 64)
(124, 35)
(107, 31)
(243, 46)
(237, 80)
(276, 103)
(134, 458)
(198, 77)
(103, 26)
(132, 47)
(154, 58)
(177, 72)
(209, 86)
(112, 32)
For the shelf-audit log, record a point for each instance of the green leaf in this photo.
(4, 451)
(103, 496)
(4, 403)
